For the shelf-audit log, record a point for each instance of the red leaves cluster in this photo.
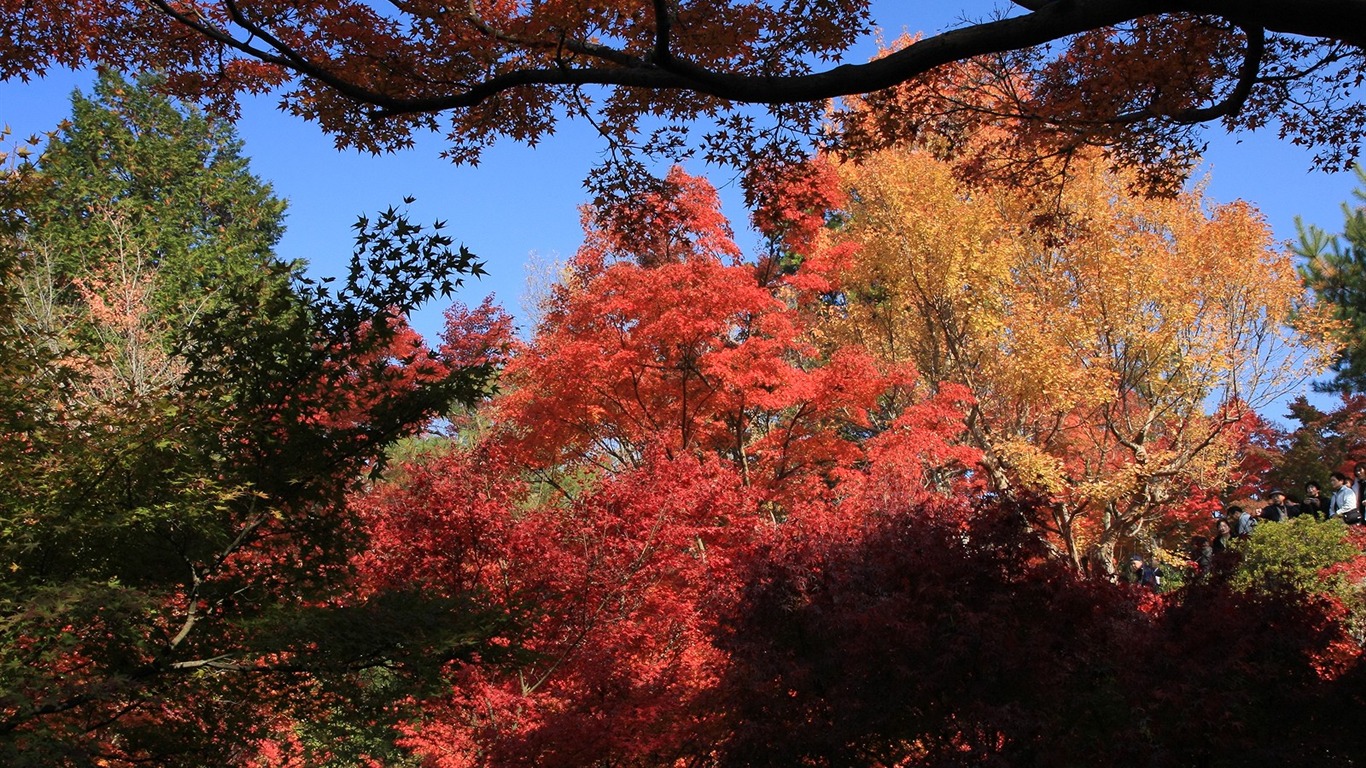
(656, 344)
(663, 617)
(614, 597)
(623, 599)
(789, 202)
(679, 218)
(709, 541)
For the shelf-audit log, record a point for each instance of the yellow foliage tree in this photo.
(1112, 341)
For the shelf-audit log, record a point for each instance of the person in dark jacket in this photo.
(1223, 532)
(1145, 574)
(1202, 555)
(1315, 503)
(1278, 510)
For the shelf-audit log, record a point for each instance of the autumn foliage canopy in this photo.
(856, 501)
(721, 524)
(675, 78)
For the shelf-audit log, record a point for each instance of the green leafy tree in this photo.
(1335, 270)
(184, 417)
(133, 166)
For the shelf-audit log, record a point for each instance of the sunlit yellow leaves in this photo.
(1033, 466)
(1097, 329)
(911, 211)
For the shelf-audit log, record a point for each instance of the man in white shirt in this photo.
(1344, 501)
(1359, 485)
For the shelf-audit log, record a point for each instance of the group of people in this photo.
(1346, 503)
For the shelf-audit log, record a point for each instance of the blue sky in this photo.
(521, 202)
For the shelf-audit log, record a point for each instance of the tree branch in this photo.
(1232, 103)
(1046, 21)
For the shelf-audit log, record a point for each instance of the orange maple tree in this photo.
(1111, 342)
(658, 343)
(670, 400)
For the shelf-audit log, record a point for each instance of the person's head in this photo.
(1359, 469)
(1338, 479)
(1312, 488)
(1233, 511)
(1278, 496)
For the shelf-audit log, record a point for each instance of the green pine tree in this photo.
(1335, 270)
(181, 417)
(131, 163)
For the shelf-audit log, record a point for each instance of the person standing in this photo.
(1223, 532)
(1202, 556)
(1314, 501)
(1277, 511)
(1343, 503)
(1145, 574)
(1359, 488)
(1134, 575)
(1151, 576)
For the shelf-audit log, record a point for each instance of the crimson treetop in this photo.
(371, 72)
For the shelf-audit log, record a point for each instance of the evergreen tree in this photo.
(181, 417)
(1335, 270)
(131, 164)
